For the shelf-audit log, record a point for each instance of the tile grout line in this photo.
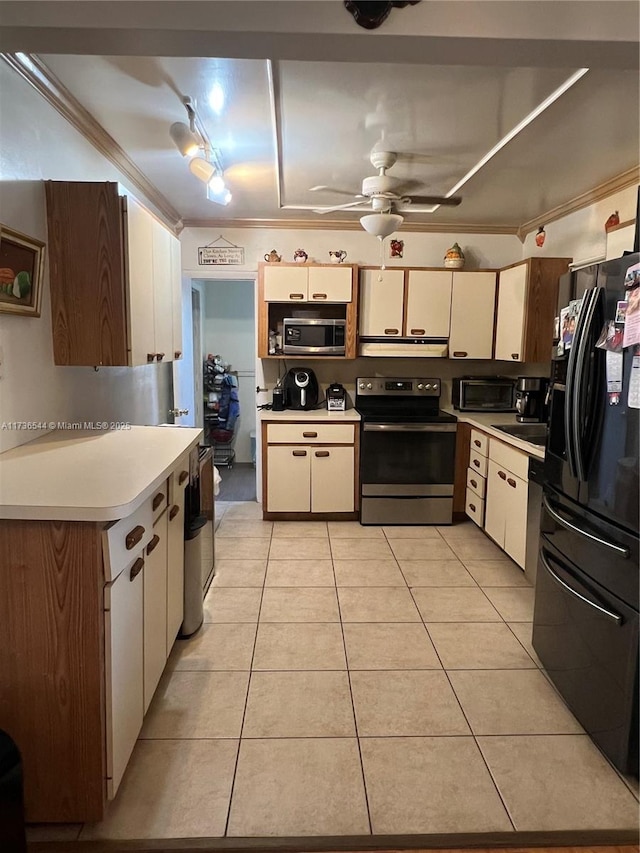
(353, 706)
(246, 699)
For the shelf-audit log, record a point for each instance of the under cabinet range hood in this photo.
(404, 347)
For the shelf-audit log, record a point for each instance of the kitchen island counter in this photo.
(89, 475)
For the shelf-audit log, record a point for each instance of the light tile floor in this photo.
(351, 680)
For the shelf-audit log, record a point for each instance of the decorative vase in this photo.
(454, 258)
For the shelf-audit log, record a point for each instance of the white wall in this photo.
(37, 144)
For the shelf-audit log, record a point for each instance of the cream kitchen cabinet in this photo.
(405, 303)
(307, 282)
(506, 499)
(175, 552)
(381, 303)
(310, 470)
(428, 303)
(115, 289)
(472, 315)
(476, 487)
(527, 304)
(155, 608)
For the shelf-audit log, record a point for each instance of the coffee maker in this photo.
(531, 399)
(301, 388)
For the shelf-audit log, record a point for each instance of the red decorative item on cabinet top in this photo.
(540, 237)
(612, 221)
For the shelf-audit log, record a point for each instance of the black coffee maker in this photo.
(301, 388)
(531, 399)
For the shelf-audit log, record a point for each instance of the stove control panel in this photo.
(397, 387)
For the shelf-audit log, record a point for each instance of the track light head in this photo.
(184, 139)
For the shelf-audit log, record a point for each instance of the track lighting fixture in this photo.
(184, 138)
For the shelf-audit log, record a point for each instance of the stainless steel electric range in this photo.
(407, 452)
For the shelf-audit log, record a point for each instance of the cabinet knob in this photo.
(153, 544)
(318, 295)
(458, 353)
(502, 475)
(133, 537)
(515, 356)
(474, 483)
(391, 331)
(322, 453)
(472, 507)
(511, 482)
(159, 356)
(175, 509)
(299, 452)
(183, 476)
(177, 354)
(476, 463)
(417, 331)
(151, 356)
(309, 434)
(157, 501)
(296, 296)
(136, 568)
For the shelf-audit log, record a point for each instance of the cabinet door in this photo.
(472, 312)
(288, 479)
(124, 670)
(381, 303)
(176, 296)
(329, 284)
(428, 308)
(332, 479)
(162, 293)
(140, 282)
(175, 567)
(512, 291)
(285, 284)
(155, 609)
(515, 534)
(496, 502)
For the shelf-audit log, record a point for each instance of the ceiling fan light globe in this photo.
(381, 224)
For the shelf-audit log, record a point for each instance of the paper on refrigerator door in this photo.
(633, 400)
(632, 312)
(615, 362)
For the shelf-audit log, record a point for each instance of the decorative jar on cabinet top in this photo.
(454, 258)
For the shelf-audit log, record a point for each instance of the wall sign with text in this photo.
(209, 256)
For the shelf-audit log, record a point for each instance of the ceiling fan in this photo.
(384, 192)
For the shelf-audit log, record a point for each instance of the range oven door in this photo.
(407, 473)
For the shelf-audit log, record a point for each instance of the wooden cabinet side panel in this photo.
(85, 245)
(542, 302)
(52, 664)
(463, 443)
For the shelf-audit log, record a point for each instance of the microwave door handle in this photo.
(608, 613)
(583, 334)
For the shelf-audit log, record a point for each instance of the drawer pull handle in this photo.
(391, 331)
(502, 475)
(177, 354)
(299, 452)
(136, 568)
(515, 356)
(474, 484)
(318, 295)
(296, 296)
(309, 434)
(458, 353)
(322, 453)
(476, 462)
(157, 501)
(183, 476)
(159, 356)
(477, 443)
(151, 356)
(175, 509)
(472, 507)
(417, 331)
(511, 482)
(153, 544)
(134, 537)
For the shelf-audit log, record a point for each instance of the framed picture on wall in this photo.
(21, 272)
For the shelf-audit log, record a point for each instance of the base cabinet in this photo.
(506, 500)
(155, 608)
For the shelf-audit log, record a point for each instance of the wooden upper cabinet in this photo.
(472, 314)
(113, 278)
(527, 305)
(428, 303)
(381, 303)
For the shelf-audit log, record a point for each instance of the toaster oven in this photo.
(484, 394)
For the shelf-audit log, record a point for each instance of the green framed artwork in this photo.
(21, 273)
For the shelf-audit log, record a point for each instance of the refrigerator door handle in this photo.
(577, 422)
(608, 613)
(570, 400)
(623, 552)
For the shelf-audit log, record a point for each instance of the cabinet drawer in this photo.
(474, 507)
(159, 501)
(476, 483)
(310, 433)
(479, 443)
(508, 457)
(125, 538)
(478, 463)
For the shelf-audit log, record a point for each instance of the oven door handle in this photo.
(410, 427)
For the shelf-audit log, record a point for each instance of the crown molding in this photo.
(338, 225)
(36, 73)
(626, 179)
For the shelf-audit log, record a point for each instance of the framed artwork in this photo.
(21, 272)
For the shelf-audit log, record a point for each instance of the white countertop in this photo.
(313, 415)
(89, 475)
(485, 422)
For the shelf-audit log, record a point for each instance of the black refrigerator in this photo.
(585, 627)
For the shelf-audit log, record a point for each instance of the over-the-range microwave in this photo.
(308, 336)
(484, 393)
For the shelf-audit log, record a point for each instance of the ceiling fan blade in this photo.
(342, 206)
(452, 201)
(322, 189)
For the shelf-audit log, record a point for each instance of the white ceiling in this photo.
(290, 123)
